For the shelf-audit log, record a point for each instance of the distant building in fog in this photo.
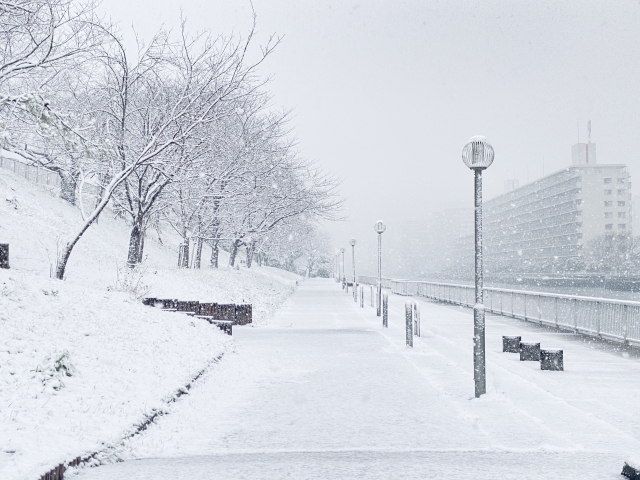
(426, 244)
(543, 227)
(510, 185)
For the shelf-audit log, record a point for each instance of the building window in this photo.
(620, 203)
(608, 214)
(622, 214)
(608, 180)
(622, 192)
(621, 180)
(607, 192)
(608, 203)
(579, 201)
(608, 226)
(622, 226)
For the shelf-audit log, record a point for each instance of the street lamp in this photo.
(352, 242)
(379, 227)
(342, 277)
(478, 154)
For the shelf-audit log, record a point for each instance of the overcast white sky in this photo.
(386, 93)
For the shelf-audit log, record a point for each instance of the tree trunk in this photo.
(251, 248)
(198, 254)
(184, 254)
(141, 248)
(63, 258)
(234, 251)
(136, 244)
(68, 183)
(215, 253)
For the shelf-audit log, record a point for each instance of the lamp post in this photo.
(342, 276)
(478, 155)
(379, 227)
(352, 242)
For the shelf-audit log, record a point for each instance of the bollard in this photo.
(529, 352)
(408, 323)
(416, 319)
(4, 255)
(376, 299)
(551, 360)
(385, 311)
(362, 297)
(372, 297)
(511, 344)
(355, 292)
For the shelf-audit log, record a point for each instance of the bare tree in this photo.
(46, 44)
(154, 106)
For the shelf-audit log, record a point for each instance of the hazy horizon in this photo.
(385, 94)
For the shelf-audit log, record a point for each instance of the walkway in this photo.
(325, 392)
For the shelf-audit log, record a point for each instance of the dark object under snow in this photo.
(630, 472)
(4, 255)
(236, 314)
(551, 360)
(511, 344)
(529, 352)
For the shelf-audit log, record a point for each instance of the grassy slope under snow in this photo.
(125, 359)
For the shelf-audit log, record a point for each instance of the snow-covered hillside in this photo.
(82, 363)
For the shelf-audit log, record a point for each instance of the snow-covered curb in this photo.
(109, 453)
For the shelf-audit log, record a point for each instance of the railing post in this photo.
(385, 310)
(416, 319)
(408, 323)
(575, 315)
(625, 325)
(598, 319)
(524, 304)
(512, 303)
(540, 309)
(556, 308)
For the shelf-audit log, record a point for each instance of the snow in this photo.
(81, 364)
(324, 391)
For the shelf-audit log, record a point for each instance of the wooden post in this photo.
(4, 255)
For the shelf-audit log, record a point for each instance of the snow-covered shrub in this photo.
(131, 280)
(55, 367)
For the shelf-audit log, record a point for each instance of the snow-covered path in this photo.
(325, 392)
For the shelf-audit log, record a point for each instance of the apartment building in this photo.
(543, 226)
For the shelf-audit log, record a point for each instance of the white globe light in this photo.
(379, 227)
(477, 153)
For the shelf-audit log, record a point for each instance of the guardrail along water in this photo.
(616, 320)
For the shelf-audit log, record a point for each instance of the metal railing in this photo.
(616, 320)
(43, 176)
(386, 282)
(33, 173)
